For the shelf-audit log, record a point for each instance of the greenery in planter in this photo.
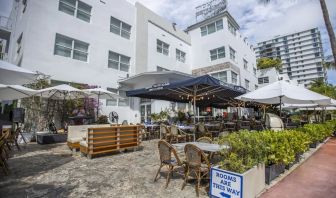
(247, 148)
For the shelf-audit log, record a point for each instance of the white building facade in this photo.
(102, 43)
(271, 75)
(301, 54)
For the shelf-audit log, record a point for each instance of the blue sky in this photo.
(257, 21)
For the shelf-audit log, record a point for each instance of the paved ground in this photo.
(316, 177)
(52, 171)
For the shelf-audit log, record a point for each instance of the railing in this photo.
(3, 56)
(5, 23)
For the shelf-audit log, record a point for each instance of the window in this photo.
(220, 76)
(247, 84)
(120, 28)
(245, 63)
(317, 54)
(254, 71)
(72, 48)
(256, 87)
(160, 69)
(263, 80)
(231, 28)
(117, 102)
(180, 56)
(232, 54)
(19, 43)
(217, 53)
(118, 61)
(234, 78)
(162, 47)
(212, 27)
(76, 8)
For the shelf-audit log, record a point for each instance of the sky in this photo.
(257, 21)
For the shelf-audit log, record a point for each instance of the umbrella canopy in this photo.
(284, 92)
(14, 92)
(204, 90)
(101, 93)
(61, 92)
(12, 74)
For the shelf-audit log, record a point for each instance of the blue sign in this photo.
(225, 184)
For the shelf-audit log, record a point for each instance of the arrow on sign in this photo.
(225, 195)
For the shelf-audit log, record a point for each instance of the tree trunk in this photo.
(329, 28)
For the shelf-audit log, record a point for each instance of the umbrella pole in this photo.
(280, 106)
(98, 106)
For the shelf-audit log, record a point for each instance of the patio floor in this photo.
(53, 171)
(316, 177)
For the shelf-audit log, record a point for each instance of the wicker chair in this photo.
(3, 155)
(177, 134)
(166, 150)
(194, 159)
(165, 132)
(204, 140)
(203, 130)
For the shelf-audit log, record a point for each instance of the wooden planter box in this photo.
(250, 184)
(111, 139)
(273, 171)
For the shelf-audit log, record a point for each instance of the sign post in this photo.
(225, 184)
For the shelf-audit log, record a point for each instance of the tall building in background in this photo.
(301, 54)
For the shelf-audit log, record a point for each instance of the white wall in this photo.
(168, 62)
(201, 46)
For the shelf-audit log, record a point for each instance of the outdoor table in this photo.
(230, 125)
(203, 146)
(187, 128)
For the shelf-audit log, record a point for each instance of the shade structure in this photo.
(205, 89)
(61, 92)
(14, 92)
(100, 93)
(12, 74)
(284, 92)
(202, 91)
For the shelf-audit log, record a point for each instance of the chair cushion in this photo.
(74, 140)
(83, 143)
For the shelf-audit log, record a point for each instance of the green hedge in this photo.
(248, 148)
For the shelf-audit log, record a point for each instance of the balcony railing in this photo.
(5, 23)
(3, 56)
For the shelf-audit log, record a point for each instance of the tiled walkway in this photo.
(316, 177)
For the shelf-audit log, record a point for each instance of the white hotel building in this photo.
(301, 54)
(102, 42)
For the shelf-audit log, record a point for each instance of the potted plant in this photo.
(244, 158)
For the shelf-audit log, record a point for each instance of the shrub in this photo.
(247, 148)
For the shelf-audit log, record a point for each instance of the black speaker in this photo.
(18, 115)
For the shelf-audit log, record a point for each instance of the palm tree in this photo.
(329, 27)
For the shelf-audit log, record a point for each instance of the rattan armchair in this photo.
(204, 140)
(166, 150)
(178, 135)
(203, 130)
(197, 163)
(165, 132)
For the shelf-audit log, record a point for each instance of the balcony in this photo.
(5, 23)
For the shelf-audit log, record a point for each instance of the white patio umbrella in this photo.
(101, 93)
(14, 92)
(12, 74)
(283, 92)
(61, 92)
